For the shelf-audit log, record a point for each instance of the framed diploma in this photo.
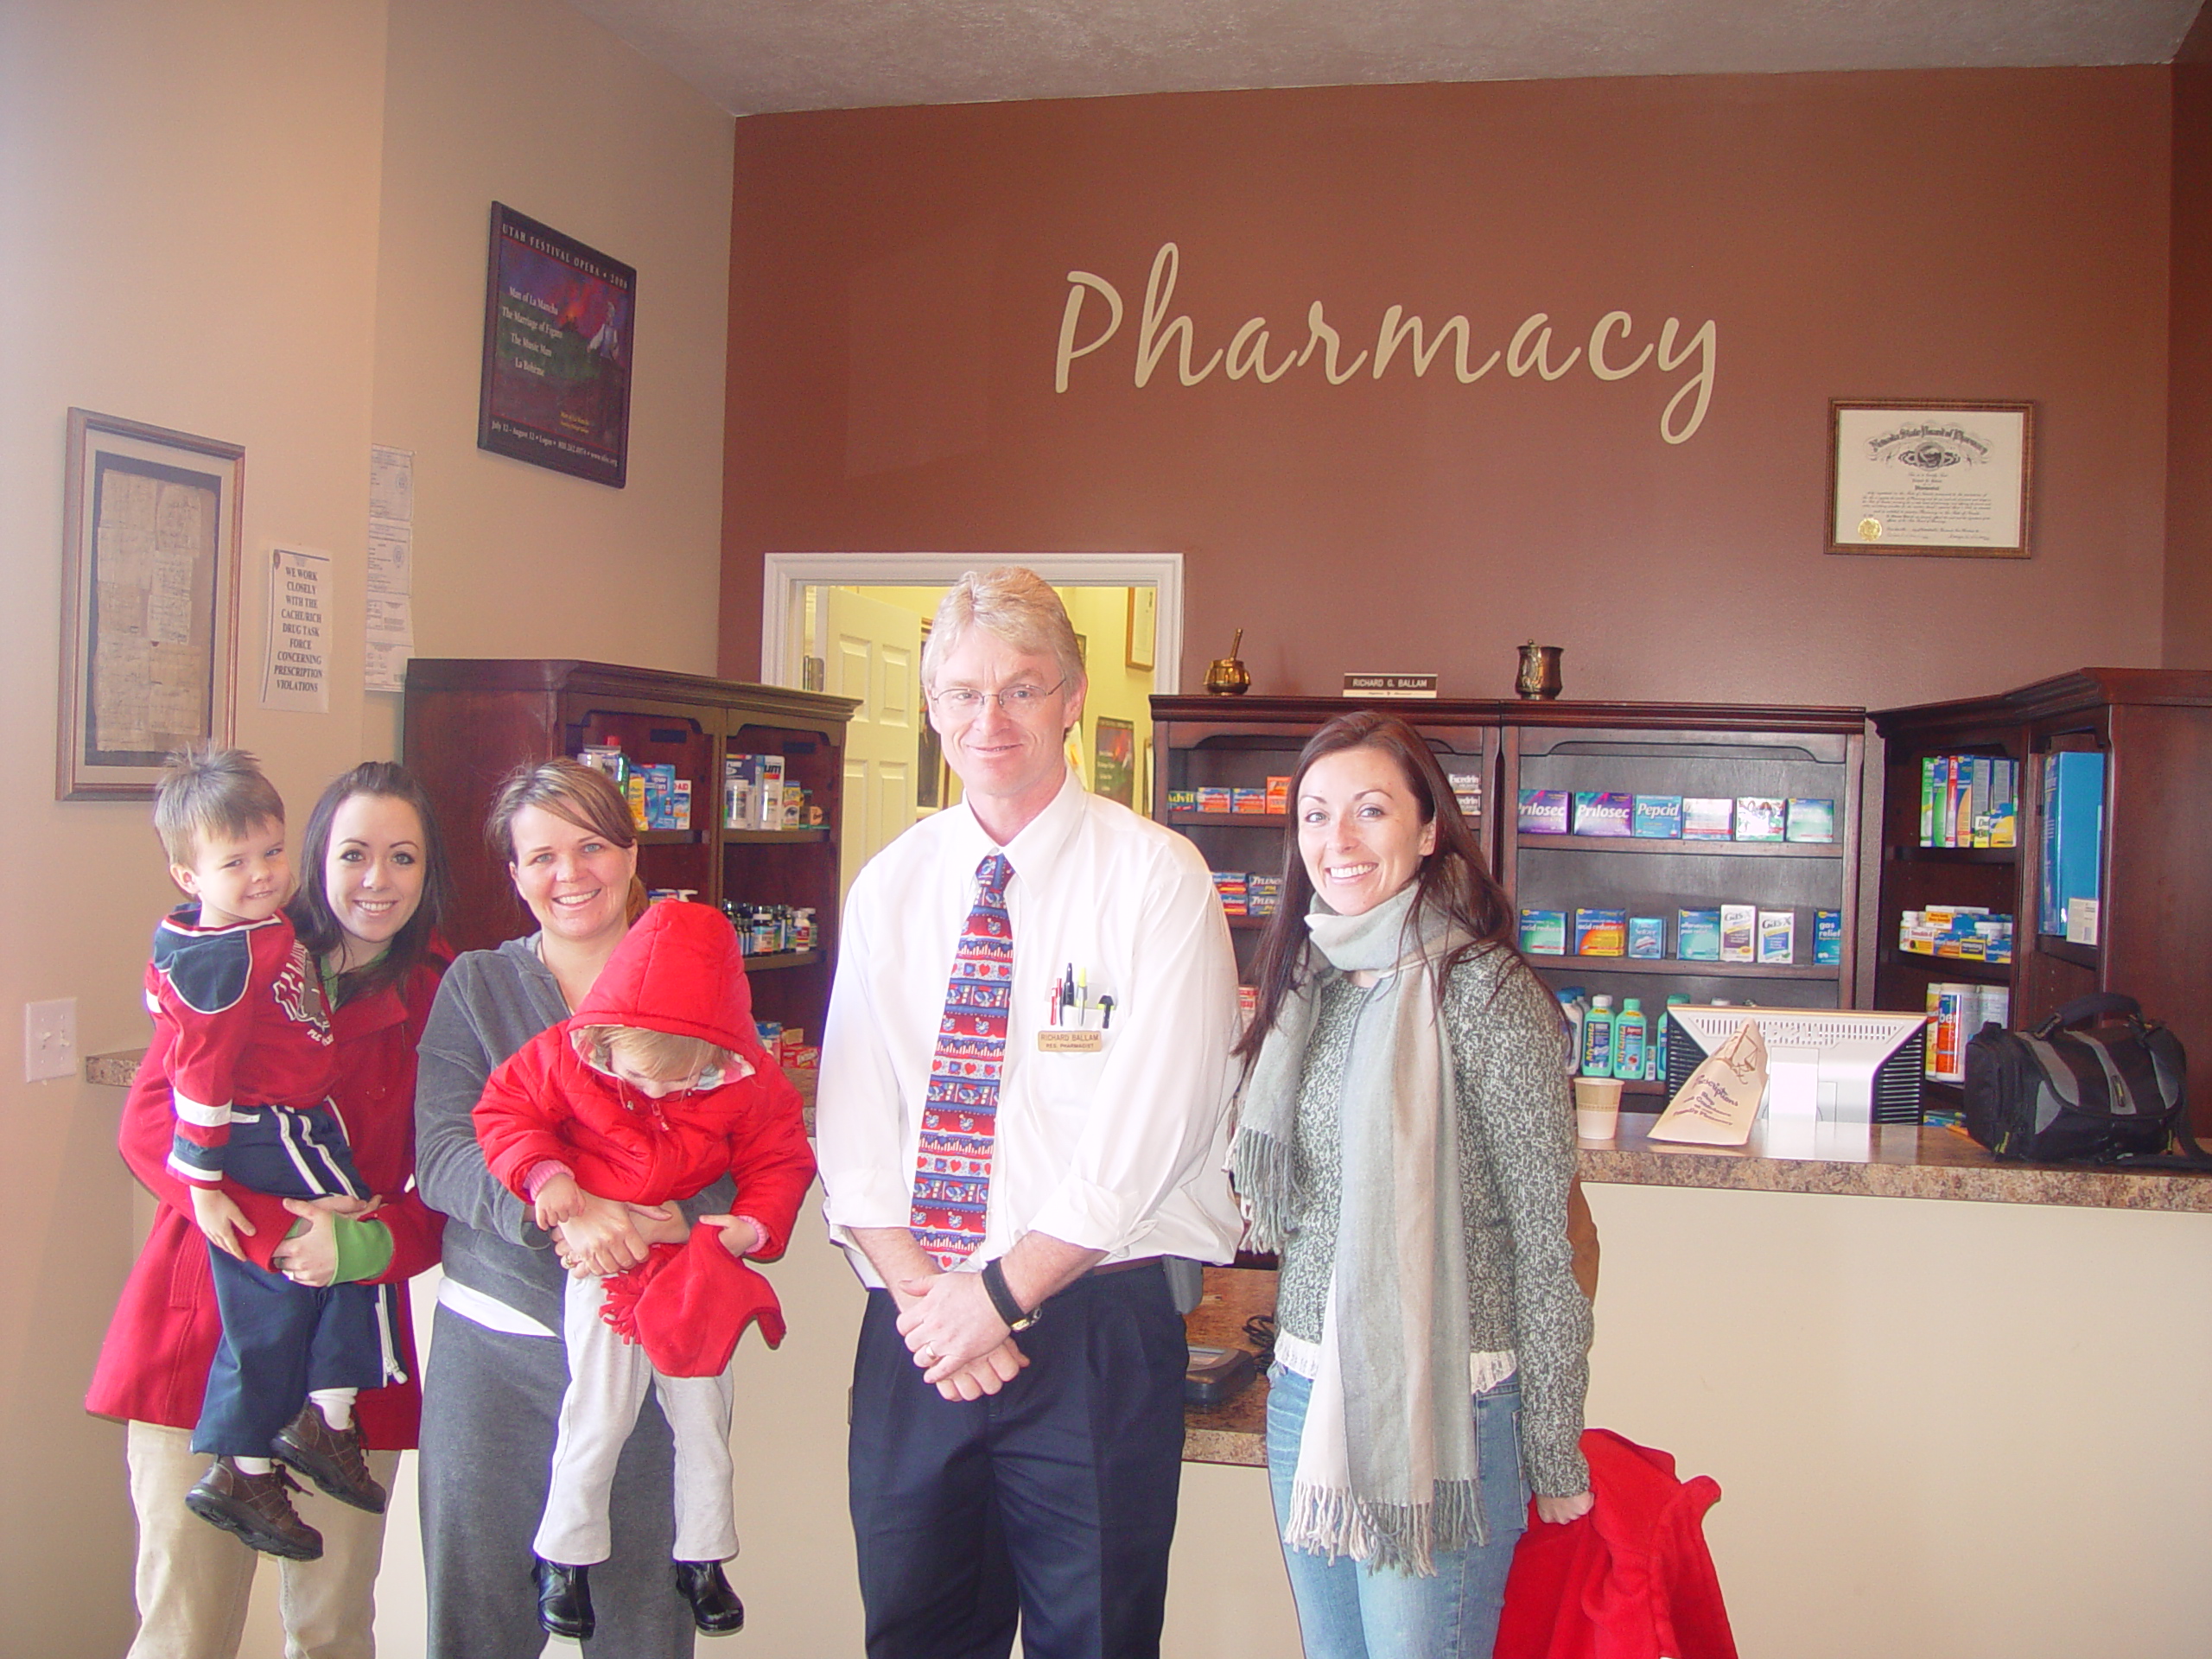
(150, 602)
(1948, 479)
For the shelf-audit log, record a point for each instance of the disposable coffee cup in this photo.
(1597, 1108)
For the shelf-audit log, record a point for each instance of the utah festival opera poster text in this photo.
(557, 344)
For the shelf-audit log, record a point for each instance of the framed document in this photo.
(150, 602)
(1144, 627)
(557, 322)
(1951, 479)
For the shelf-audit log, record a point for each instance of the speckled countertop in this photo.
(1892, 1162)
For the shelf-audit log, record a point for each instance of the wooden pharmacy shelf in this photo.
(1228, 820)
(767, 961)
(1694, 844)
(773, 838)
(671, 837)
(1676, 968)
(1915, 855)
(1986, 973)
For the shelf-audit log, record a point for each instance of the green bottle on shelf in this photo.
(1629, 1033)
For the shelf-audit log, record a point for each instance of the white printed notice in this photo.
(391, 632)
(295, 668)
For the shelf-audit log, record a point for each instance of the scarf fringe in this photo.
(1385, 1537)
(1265, 1177)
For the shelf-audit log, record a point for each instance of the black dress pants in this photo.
(1052, 1500)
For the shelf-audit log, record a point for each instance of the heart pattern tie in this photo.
(952, 1166)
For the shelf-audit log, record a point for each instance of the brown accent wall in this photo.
(899, 279)
(2188, 431)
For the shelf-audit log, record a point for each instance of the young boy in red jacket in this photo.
(654, 1090)
(239, 1009)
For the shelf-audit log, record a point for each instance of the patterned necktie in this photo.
(952, 1168)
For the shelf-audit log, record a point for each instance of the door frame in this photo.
(783, 575)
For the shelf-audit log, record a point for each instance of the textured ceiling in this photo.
(752, 56)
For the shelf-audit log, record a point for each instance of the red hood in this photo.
(678, 970)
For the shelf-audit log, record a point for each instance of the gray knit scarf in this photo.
(1386, 1469)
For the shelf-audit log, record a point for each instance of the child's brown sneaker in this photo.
(256, 1508)
(331, 1458)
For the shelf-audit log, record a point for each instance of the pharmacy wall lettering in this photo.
(1613, 349)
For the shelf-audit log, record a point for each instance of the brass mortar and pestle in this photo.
(1227, 676)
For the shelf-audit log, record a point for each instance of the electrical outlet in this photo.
(49, 1039)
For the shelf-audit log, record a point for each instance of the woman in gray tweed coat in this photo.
(1406, 1142)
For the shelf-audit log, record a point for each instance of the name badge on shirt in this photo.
(1064, 1042)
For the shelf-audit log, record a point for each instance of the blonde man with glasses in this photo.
(1023, 1111)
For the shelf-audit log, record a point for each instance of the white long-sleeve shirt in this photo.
(1119, 1150)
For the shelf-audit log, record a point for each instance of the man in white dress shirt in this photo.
(1017, 1418)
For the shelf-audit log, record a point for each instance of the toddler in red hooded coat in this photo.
(654, 1090)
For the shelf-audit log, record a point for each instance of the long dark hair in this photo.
(1454, 881)
(313, 918)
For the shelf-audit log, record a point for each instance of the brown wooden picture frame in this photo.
(1917, 511)
(150, 557)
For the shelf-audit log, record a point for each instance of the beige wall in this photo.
(266, 223)
(1940, 1429)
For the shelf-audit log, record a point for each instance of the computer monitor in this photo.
(1843, 1068)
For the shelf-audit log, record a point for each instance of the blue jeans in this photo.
(1346, 1610)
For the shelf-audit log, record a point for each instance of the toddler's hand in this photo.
(741, 1234)
(220, 1217)
(558, 1200)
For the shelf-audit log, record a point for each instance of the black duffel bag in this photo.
(2102, 1095)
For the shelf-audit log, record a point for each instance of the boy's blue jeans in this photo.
(1346, 1611)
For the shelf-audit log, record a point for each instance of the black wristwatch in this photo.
(994, 1285)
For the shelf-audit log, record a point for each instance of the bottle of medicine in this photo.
(1629, 1034)
(1598, 1038)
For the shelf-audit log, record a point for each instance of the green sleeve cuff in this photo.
(365, 1249)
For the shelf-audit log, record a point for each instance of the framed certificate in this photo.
(150, 602)
(1948, 479)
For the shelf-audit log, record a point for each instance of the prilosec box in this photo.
(1603, 812)
(1543, 811)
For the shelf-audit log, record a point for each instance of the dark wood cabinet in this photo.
(2154, 728)
(469, 722)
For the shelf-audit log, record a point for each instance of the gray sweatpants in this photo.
(490, 1403)
(608, 1380)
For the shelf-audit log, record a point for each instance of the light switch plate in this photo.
(49, 1039)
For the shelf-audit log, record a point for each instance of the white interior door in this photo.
(874, 653)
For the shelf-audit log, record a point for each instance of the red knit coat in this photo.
(678, 970)
(153, 1365)
(1631, 1580)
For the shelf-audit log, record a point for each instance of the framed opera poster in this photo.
(558, 322)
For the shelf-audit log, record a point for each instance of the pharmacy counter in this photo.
(1893, 1162)
(1896, 1162)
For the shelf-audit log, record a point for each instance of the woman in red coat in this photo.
(374, 882)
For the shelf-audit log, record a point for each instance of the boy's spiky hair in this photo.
(661, 1055)
(207, 790)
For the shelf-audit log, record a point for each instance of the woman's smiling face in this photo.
(1360, 831)
(372, 874)
(575, 880)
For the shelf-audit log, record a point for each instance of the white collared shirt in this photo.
(1119, 1150)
